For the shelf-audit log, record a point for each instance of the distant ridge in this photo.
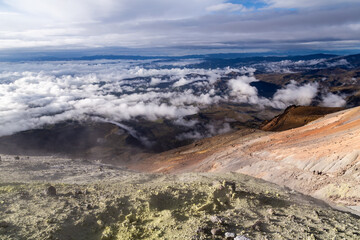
(239, 57)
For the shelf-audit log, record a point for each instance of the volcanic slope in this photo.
(321, 158)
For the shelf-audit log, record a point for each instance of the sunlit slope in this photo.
(320, 158)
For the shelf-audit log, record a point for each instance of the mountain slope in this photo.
(321, 158)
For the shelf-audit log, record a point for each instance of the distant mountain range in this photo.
(249, 57)
(260, 63)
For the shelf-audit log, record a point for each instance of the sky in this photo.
(176, 27)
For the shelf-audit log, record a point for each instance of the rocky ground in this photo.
(57, 198)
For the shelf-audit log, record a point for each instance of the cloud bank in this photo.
(33, 94)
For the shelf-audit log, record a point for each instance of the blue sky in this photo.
(250, 4)
(195, 26)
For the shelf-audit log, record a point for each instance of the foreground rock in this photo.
(50, 191)
(186, 206)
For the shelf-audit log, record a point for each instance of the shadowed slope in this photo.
(296, 116)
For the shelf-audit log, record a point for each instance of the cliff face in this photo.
(320, 158)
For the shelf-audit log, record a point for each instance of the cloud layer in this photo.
(33, 94)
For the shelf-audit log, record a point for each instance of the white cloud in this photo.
(182, 81)
(242, 91)
(341, 62)
(284, 66)
(95, 10)
(64, 24)
(231, 7)
(241, 86)
(155, 81)
(179, 63)
(88, 23)
(293, 93)
(333, 100)
(36, 93)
